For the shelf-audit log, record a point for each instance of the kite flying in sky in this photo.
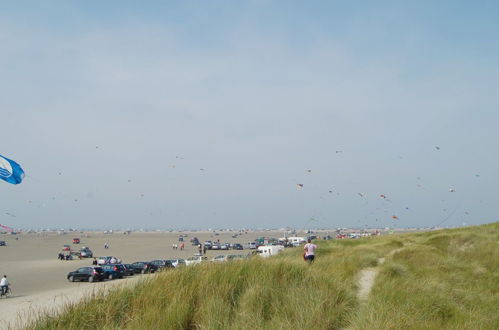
(10, 171)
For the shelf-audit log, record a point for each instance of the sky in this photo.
(211, 114)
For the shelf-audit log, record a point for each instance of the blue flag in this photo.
(10, 171)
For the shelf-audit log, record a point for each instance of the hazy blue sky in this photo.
(209, 113)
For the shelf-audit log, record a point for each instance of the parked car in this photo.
(197, 259)
(216, 246)
(85, 252)
(162, 264)
(106, 260)
(76, 241)
(237, 246)
(2, 243)
(178, 262)
(113, 271)
(220, 258)
(237, 257)
(128, 270)
(208, 244)
(89, 274)
(75, 255)
(66, 247)
(228, 257)
(224, 246)
(252, 245)
(144, 267)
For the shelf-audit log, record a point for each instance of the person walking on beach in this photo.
(309, 249)
(200, 249)
(4, 284)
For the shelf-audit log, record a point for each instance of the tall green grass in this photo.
(445, 279)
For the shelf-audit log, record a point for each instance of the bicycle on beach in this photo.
(7, 293)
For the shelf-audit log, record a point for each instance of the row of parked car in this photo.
(222, 246)
(110, 271)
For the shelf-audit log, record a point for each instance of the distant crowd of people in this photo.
(66, 256)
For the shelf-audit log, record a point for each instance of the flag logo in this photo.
(5, 168)
(10, 171)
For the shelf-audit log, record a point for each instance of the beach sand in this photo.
(39, 280)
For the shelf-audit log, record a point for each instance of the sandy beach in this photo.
(38, 278)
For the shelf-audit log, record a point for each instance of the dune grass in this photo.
(444, 279)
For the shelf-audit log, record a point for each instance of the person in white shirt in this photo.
(310, 251)
(4, 284)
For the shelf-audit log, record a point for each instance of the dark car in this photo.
(194, 241)
(237, 246)
(163, 264)
(113, 271)
(2, 243)
(85, 252)
(90, 274)
(128, 270)
(144, 267)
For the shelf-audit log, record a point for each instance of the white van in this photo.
(251, 245)
(297, 241)
(269, 250)
(194, 260)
